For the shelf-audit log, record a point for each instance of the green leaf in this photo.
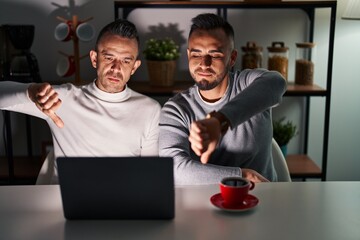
(161, 49)
(283, 132)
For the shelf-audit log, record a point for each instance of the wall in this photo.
(344, 141)
(343, 162)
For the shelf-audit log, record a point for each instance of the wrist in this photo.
(224, 122)
(29, 91)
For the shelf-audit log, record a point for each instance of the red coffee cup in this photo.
(63, 31)
(66, 66)
(85, 32)
(234, 190)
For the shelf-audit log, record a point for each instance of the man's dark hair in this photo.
(120, 27)
(210, 21)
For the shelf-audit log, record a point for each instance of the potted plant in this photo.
(161, 56)
(283, 132)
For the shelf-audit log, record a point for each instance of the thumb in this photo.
(204, 157)
(55, 118)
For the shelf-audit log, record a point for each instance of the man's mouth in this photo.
(204, 74)
(114, 79)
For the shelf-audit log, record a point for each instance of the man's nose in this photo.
(116, 65)
(206, 60)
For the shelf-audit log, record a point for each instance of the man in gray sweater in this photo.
(221, 126)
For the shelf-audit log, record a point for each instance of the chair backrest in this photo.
(280, 163)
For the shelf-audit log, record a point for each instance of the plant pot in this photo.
(161, 73)
(284, 150)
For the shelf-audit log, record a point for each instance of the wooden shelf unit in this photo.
(300, 166)
(146, 88)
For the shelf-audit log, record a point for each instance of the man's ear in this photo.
(136, 66)
(93, 58)
(233, 57)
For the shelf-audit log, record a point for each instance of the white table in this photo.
(291, 211)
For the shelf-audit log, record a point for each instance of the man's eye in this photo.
(109, 58)
(195, 55)
(216, 56)
(127, 60)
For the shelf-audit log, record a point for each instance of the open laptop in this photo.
(117, 187)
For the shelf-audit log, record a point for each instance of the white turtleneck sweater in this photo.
(96, 123)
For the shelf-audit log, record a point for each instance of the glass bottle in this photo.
(278, 58)
(252, 56)
(304, 68)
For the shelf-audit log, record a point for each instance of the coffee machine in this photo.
(17, 63)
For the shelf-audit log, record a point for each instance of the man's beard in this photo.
(206, 85)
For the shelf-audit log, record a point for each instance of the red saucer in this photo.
(249, 203)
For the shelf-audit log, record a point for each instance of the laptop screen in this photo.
(117, 187)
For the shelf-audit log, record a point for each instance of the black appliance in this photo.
(17, 63)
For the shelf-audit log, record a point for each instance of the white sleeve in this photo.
(14, 97)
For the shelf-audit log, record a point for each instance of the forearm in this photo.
(13, 94)
(173, 142)
(14, 97)
(191, 172)
(263, 93)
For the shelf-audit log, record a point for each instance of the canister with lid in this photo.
(278, 58)
(252, 56)
(305, 58)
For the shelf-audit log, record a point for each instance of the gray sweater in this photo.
(247, 104)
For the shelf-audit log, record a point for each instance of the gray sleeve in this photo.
(259, 90)
(173, 142)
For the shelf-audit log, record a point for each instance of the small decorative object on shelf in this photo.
(74, 30)
(278, 58)
(304, 68)
(252, 56)
(283, 133)
(161, 56)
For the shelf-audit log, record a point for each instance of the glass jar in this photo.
(278, 58)
(304, 68)
(252, 56)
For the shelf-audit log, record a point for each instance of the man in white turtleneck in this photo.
(103, 118)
